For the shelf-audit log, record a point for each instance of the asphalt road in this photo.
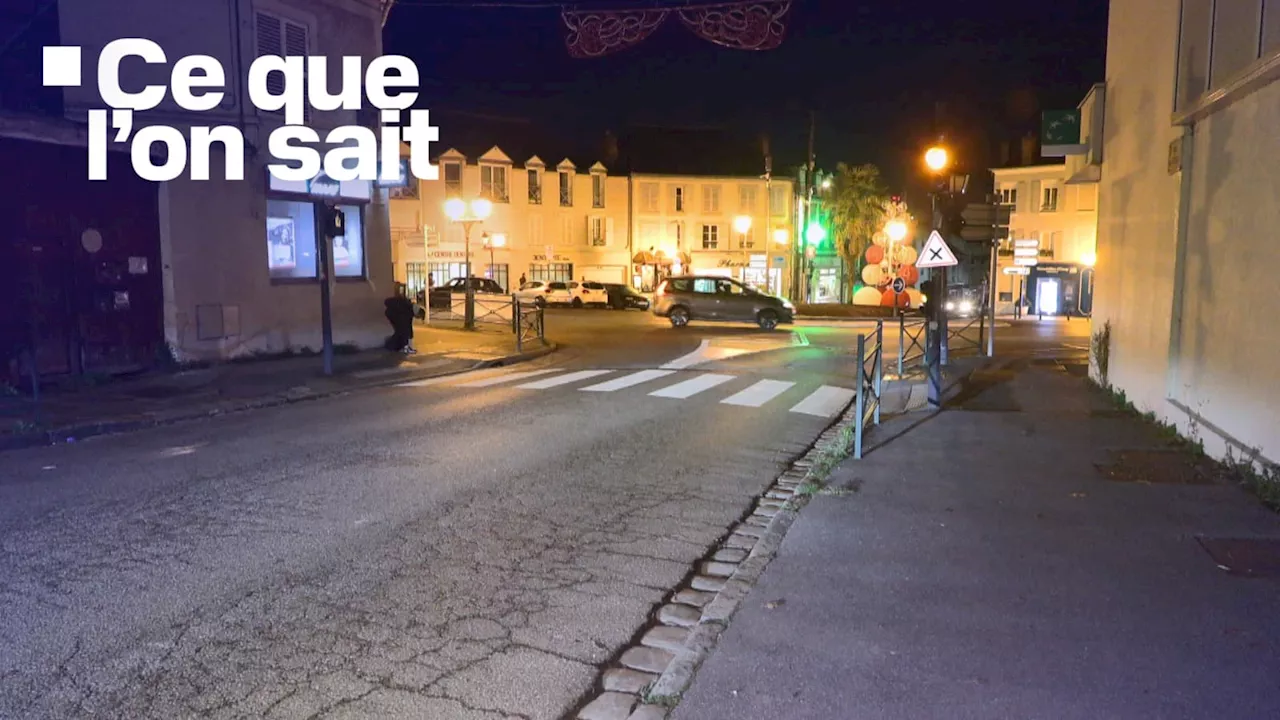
(461, 549)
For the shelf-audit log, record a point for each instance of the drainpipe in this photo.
(631, 227)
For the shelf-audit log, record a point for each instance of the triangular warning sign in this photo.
(935, 253)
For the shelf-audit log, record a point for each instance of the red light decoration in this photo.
(738, 25)
(592, 34)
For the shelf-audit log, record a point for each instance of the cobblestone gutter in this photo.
(648, 678)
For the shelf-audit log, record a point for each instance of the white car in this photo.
(572, 293)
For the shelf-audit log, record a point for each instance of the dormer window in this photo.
(453, 179)
(566, 188)
(535, 186)
(597, 190)
(493, 183)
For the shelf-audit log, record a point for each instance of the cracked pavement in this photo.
(413, 553)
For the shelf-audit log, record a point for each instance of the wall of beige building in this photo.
(227, 292)
(1061, 215)
(1187, 219)
(639, 213)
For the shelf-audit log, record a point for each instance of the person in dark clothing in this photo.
(399, 313)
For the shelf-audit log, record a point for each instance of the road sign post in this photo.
(936, 254)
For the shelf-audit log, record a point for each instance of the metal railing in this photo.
(491, 309)
(962, 337)
(528, 322)
(913, 341)
(870, 383)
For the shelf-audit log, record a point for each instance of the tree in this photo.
(859, 205)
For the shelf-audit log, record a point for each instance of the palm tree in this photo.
(858, 205)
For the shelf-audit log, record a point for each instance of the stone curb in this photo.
(117, 426)
(660, 667)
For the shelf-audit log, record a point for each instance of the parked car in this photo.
(443, 295)
(690, 297)
(572, 293)
(624, 297)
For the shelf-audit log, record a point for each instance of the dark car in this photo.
(704, 297)
(624, 297)
(442, 296)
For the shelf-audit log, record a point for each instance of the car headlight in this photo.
(787, 304)
(966, 306)
(951, 306)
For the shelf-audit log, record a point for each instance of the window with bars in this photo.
(566, 189)
(551, 272)
(535, 187)
(710, 237)
(275, 35)
(597, 231)
(442, 273)
(498, 273)
(453, 179)
(493, 183)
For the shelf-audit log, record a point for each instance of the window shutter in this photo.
(270, 36)
(535, 231)
(608, 231)
(566, 231)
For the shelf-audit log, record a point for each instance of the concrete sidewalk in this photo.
(1034, 553)
(66, 414)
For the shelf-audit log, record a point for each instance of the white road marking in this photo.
(627, 381)
(691, 387)
(406, 367)
(487, 372)
(693, 358)
(563, 379)
(825, 401)
(507, 377)
(758, 394)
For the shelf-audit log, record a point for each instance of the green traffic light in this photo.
(815, 234)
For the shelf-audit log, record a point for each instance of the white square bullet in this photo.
(61, 66)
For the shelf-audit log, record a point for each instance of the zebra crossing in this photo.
(824, 401)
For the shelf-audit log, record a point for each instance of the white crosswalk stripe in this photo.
(563, 379)
(825, 401)
(507, 377)
(691, 387)
(759, 394)
(626, 381)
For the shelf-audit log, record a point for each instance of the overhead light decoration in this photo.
(736, 24)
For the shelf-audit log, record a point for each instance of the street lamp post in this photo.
(492, 242)
(742, 226)
(937, 159)
(468, 214)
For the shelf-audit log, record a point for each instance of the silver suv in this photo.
(681, 299)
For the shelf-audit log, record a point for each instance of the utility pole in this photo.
(797, 270)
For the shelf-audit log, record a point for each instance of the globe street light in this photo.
(468, 214)
(936, 158)
(896, 230)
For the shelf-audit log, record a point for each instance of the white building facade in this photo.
(560, 222)
(240, 257)
(1187, 219)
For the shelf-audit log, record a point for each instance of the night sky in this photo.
(873, 71)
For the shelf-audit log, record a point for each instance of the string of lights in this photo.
(603, 27)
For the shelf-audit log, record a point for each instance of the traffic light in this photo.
(815, 234)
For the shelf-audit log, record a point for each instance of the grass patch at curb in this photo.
(666, 701)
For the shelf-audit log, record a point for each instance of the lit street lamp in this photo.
(742, 226)
(936, 158)
(468, 214)
(491, 242)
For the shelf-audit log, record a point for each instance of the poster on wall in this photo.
(282, 237)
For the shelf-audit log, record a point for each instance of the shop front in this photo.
(1060, 289)
(824, 279)
(294, 224)
(753, 269)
